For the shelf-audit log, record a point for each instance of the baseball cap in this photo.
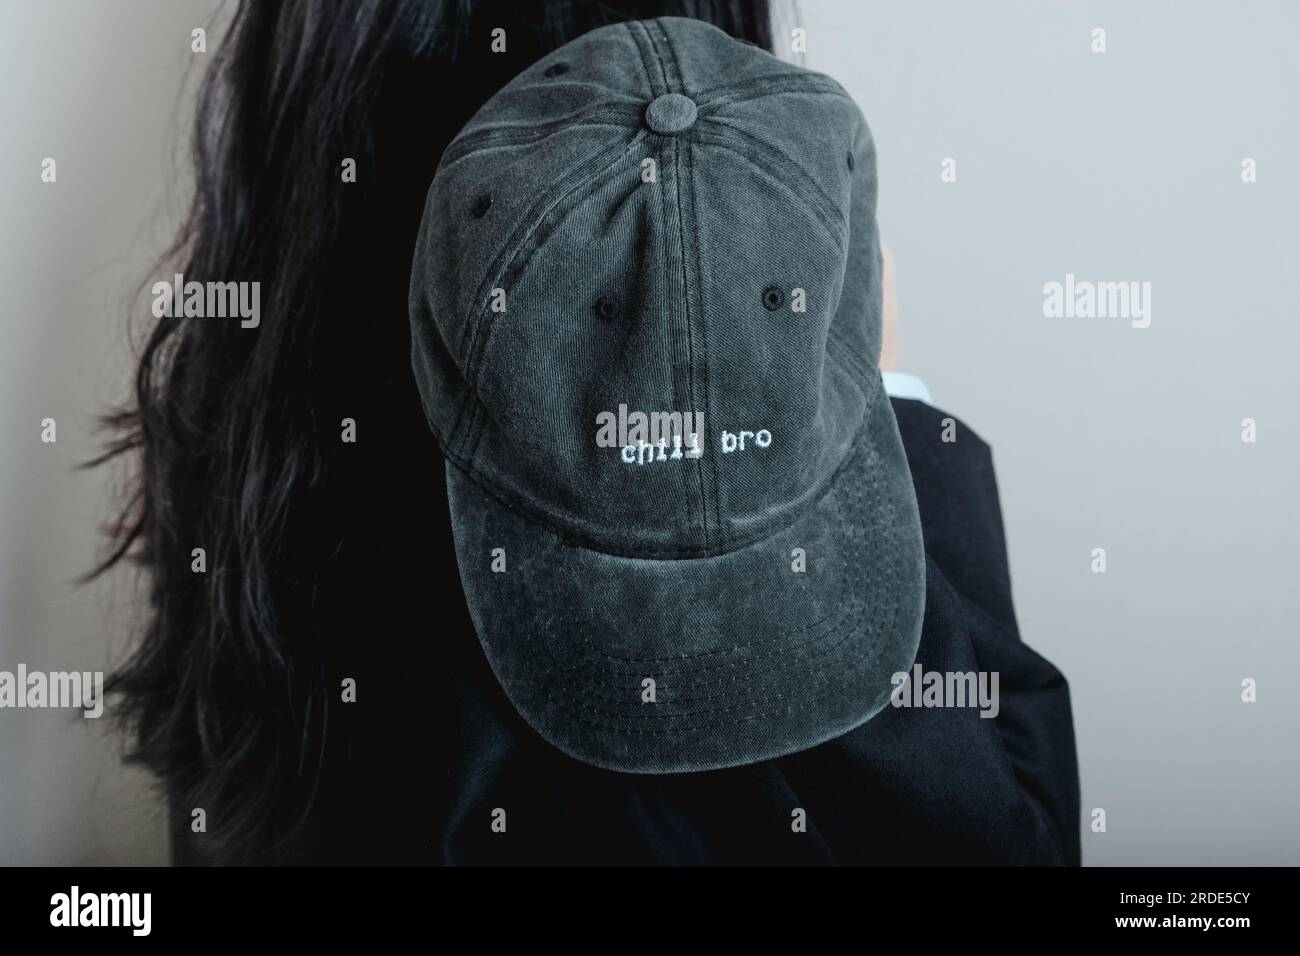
(659, 220)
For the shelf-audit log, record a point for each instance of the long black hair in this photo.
(233, 433)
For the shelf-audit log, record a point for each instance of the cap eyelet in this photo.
(481, 206)
(773, 298)
(556, 69)
(607, 307)
(848, 158)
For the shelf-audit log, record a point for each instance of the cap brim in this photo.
(669, 666)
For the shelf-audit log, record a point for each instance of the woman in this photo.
(312, 545)
(315, 693)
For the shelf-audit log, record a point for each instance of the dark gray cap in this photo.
(658, 218)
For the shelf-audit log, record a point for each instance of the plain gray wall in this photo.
(1123, 165)
(1116, 166)
(106, 90)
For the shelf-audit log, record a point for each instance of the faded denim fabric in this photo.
(670, 292)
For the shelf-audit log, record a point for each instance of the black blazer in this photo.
(416, 767)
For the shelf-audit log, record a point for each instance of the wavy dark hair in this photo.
(232, 433)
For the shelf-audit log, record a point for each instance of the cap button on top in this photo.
(670, 113)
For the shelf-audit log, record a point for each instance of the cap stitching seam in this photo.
(868, 394)
(650, 56)
(827, 201)
(835, 618)
(645, 46)
(836, 234)
(696, 467)
(843, 644)
(695, 316)
(866, 661)
(692, 472)
(872, 481)
(525, 245)
(820, 646)
(640, 62)
(846, 356)
(778, 85)
(502, 137)
(530, 225)
(870, 658)
(719, 527)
